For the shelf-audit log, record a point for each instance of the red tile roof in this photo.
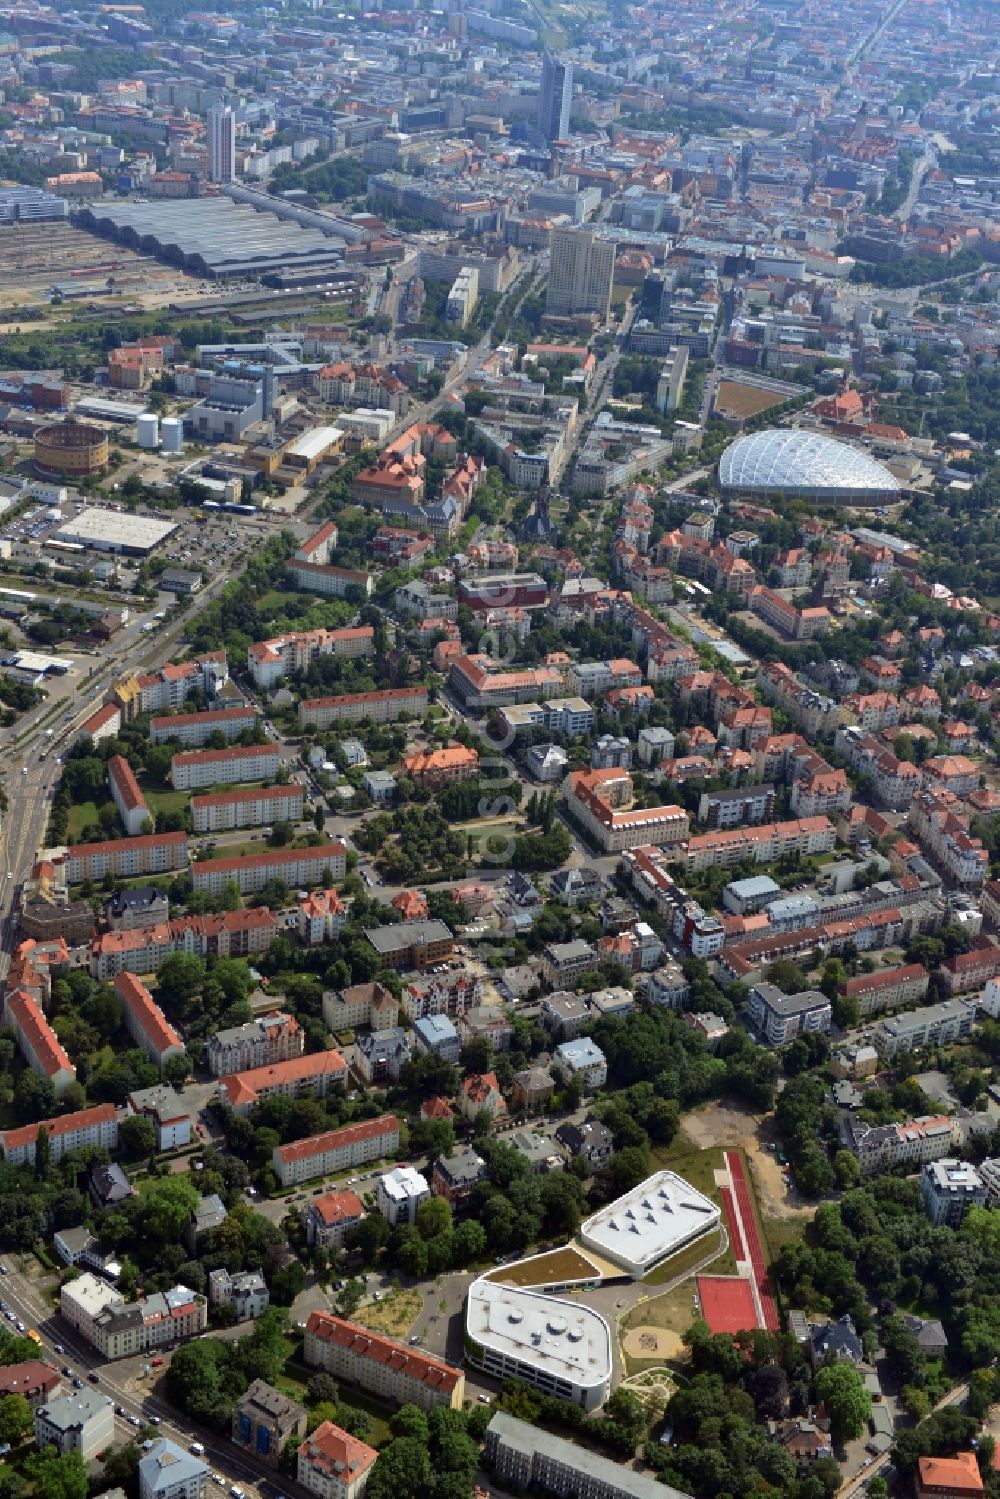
(273, 856)
(232, 752)
(358, 1340)
(245, 1086)
(246, 794)
(137, 999)
(38, 1034)
(122, 778)
(116, 845)
(350, 1134)
(167, 721)
(337, 1207)
(66, 1124)
(337, 1454)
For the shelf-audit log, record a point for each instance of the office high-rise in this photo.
(581, 272)
(221, 144)
(555, 97)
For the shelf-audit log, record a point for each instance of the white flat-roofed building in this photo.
(931, 1025)
(560, 1347)
(656, 1219)
(115, 531)
(81, 1302)
(399, 1193)
(950, 1188)
(584, 1059)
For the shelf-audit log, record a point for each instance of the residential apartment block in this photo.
(889, 988)
(150, 853)
(386, 706)
(193, 730)
(127, 797)
(334, 1465)
(95, 1127)
(146, 1022)
(226, 934)
(258, 1043)
(740, 806)
(269, 660)
(949, 1189)
(336, 1149)
(934, 1025)
(761, 845)
(390, 1370)
(886, 1146)
(319, 865)
(318, 1073)
(779, 1018)
(361, 1006)
(257, 806)
(82, 1421)
(331, 1216)
(37, 1041)
(537, 1461)
(321, 917)
(242, 762)
(127, 1328)
(600, 802)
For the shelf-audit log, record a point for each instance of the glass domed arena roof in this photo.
(794, 462)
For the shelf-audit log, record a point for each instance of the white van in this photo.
(197, 1449)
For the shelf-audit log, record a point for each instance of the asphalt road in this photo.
(124, 1383)
(30, 781)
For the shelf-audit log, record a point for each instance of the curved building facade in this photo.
(71, 450)
(560, 1347)
(809, 465)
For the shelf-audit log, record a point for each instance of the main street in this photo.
(129, 1387)
(30, 781)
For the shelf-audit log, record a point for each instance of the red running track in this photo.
(732, 1224)
(757, 1261)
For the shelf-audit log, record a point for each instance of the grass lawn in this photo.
(698, 1167)
(82, 815)
(394, 1316)
(557, 1265)
(165, 801)
(692, 1255)
(674, 1311)
(277, 598)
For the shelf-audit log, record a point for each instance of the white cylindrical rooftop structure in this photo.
(172, 435)
(148, 430)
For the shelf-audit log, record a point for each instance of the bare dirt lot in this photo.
(727, 1124)
(733, 399)
(646, 1342)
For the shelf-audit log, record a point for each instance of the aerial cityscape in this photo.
(500, 749)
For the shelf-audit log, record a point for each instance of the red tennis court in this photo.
(727, 1303)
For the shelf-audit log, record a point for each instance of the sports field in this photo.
(727, 1303)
